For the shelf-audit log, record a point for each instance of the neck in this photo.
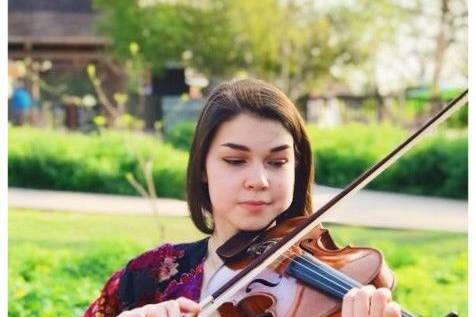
(222, 233)
(217, 239)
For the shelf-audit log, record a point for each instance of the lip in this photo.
(254, 202)
(254, 205)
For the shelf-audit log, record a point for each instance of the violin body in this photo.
(285, 290)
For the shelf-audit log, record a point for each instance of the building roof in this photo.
(52, 22)
(83, 6)
(80, 6)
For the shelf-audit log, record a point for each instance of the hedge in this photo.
(437, 165)
(47, 159)
(98, 163)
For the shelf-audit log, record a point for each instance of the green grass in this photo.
(56, 230)
(58, 261)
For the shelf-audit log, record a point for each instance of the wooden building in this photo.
(62, 33)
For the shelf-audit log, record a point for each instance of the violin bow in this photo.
(241, 279)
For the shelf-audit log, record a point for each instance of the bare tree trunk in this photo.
(440, 47)
(380, 105)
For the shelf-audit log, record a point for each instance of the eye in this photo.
(234, 162)
(277, 163)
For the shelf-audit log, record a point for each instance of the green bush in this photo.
(437, 166)
(459, 119)
(181, 135)
(47, 159)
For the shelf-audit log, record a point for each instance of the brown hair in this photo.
(260, 99)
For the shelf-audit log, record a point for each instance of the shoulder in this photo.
(184, 253)
(162, 273)
(108, 303)
(165, 272)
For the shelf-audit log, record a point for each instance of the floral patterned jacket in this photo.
(164, 273)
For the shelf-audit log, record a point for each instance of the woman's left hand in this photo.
(369, 302)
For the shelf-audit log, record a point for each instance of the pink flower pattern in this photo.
(189, 285)
(167, 269)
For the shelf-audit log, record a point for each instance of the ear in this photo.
(204, 177)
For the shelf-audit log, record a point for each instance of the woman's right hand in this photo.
(171, 308)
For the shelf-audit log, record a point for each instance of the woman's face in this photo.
(250, 174)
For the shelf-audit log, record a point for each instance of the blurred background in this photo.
(103, 100)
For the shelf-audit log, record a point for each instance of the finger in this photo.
(378, 301)
(154, 310)
(187, 305)
(362, 301)
(131, 314)
(173, 309)
(348, 303)
(392, 310)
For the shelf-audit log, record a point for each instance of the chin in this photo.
(253, 226)
(255, 221)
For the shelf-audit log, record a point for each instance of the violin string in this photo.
(345, 287)
(330, 270)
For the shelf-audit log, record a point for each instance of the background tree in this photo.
(298, 45)
(292, 44)
(165, 32)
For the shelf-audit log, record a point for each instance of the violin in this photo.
(294, 268)
(313, 276)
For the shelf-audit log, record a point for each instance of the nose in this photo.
(257, 178)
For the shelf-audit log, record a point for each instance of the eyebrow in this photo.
(240, 147)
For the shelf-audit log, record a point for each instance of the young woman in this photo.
(250, 163)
